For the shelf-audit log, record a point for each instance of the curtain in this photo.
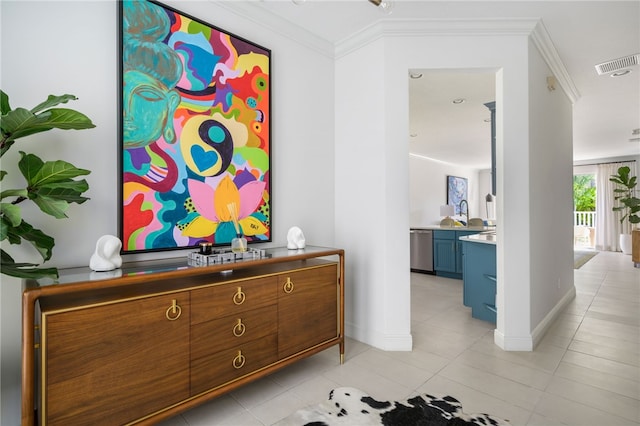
(608, 226)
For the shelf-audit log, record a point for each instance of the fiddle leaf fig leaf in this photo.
(56, 171)
(4, 103)
(29, 166)
(2, 174)
(69, 191)
(51, 206)
(21, 122)
(629, 204)
(25, 270)
(53, 100)
(68, 119)
(21, 270)
(38, 173)
(12, 213)
(4, 230)
(5, 257)
(7, 232)
(13, 193)
(5, 226)
(38, 239)
(4, 146)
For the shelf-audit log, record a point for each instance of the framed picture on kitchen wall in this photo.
(195, 133)
(456, 191)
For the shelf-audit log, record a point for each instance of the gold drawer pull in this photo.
(288, 286)
(239, 328)
(239, 360)
(174, 311)
(239, 297)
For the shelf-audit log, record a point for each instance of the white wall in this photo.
(428, 190)
(382, 263)
(369, 196)
(551, 157)
(380, 260)
(54, 47)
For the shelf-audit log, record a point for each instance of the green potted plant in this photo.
(51, 185)
(629, 203)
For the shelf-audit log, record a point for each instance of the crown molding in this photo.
(547, 49)
(254, 12)
(435, 27)
(529, 27)
(526, 27)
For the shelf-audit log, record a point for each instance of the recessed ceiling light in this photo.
(621, 73)
(413, 135)
(458, 101)
(415, 75)
(487, 120)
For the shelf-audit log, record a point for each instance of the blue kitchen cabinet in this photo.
(479, 282)
(459, 266)
(444, 252)
(447, 252)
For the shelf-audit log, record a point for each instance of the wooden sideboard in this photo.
(635, 247)
(163, 337)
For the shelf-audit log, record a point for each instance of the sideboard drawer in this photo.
(212, 336)
(224, 366)
(232, 298)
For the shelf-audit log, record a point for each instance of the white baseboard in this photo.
(528, 343)
(516, 344)
(384, 341)
(549, 319)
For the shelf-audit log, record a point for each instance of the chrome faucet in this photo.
(466, 211)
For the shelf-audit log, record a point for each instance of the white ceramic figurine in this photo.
(295, 239)
(107, 254)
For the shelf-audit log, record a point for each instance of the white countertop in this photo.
(455, 228)
(488, 237)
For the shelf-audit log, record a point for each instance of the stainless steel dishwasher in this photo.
(421, 250)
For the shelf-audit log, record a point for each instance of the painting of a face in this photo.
(147, 107)
(195, 132)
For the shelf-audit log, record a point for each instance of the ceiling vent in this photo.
(618, 64)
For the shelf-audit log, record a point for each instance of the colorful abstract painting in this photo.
(456, 192)
(195, 132)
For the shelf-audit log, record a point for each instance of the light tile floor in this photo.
(585, 371)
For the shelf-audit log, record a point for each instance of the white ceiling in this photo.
(444, 131)
(584, 33)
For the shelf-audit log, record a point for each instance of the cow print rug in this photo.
(349, 406)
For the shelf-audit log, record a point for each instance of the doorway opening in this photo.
(584, 210)
(450, 134)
